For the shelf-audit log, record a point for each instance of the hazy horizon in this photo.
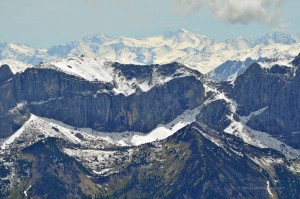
(145, 36)
(44, 24)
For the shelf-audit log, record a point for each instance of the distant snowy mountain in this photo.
(229, 70)
(15, 65)
(193, 50)
(22, 53)
(280, 38)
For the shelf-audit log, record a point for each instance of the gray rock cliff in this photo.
(80, 103)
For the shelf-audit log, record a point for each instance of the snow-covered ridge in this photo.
(278, 61)
(97, 69)
(91, 69)
(101, 70)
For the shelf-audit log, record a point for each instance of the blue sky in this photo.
(42, 23)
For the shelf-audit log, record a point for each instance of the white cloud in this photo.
(237, 11)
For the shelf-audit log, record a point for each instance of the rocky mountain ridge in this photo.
(99, 103)
(176, 134)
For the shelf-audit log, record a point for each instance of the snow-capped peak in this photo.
(191, 49)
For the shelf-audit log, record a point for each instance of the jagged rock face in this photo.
(215, 114)
(282, 118)
(137, 112)
(9, 121)
(5, 73)
(34, 86)
(81, 103)
(258, 87)
(276, 88)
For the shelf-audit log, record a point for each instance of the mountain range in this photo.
(87, 127)
(193, 50)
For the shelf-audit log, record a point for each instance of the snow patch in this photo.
(269, 190)
(91, 69)
(245, 119)
(281, 62)
(25, 192)
(164, 131)
(102, 172)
